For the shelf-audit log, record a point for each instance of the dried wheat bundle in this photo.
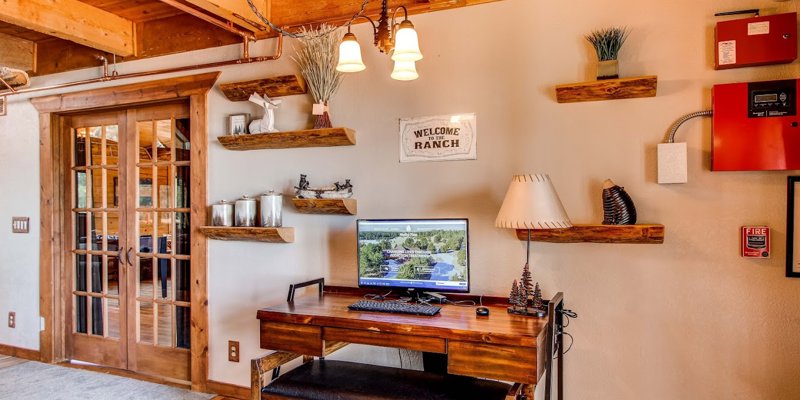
(316, 57)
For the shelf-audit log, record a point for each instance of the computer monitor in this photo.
(417, 255)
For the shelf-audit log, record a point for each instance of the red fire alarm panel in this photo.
(755, 126)
(756, 41)
(755, 242)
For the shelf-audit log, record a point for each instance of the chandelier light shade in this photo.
(406, 45)
(350, 55)
(532, 203)
(405, 71)
(400, 40)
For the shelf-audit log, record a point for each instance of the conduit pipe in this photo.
(246, 59)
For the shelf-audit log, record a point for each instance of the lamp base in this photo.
(530, 311)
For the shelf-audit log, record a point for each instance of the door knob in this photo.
(128, 256)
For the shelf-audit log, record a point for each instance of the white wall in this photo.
(686, 319)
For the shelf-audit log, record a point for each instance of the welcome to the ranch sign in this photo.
(438, 138)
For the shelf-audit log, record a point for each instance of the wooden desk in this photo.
(501, 346)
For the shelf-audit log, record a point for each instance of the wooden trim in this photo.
(51, 301)
(20, 352)
(229, 390)
(121, 96)
(198, 109)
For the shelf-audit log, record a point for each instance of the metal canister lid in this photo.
(271, 193)
(223, 202)
(246, 198)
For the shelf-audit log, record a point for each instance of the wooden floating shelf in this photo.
(637, 234)
(278, 86)
(327, 137)
(326, 206)
(608, 89)
(252, 234)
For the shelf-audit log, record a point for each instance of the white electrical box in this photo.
(672, 163)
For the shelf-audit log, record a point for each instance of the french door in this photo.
(129, 269)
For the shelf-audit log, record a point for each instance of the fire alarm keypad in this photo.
(772, 99)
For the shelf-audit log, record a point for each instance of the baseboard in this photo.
(19, 352)
(228, 390)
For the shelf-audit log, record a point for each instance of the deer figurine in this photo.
(267, 123)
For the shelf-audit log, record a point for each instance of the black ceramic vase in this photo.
(618, 208)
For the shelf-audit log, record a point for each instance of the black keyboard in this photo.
(395, 307)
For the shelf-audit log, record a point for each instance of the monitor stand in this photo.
(419, 296)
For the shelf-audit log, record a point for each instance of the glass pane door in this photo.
(162, 244)
(96, 313)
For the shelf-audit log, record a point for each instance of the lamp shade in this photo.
(350, 55)
(406, 43)
(532, 203)
(405, 71)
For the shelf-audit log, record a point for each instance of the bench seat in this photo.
(342, 380)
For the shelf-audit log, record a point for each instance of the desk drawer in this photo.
(295, 338)
(375, 338)
(507, 363)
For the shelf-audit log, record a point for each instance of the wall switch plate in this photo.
(233, 351)
(20, 224)
(12, 319)
(672, 163)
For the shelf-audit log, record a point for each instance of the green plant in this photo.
(607, 42)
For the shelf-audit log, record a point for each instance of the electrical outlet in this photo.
(233, 351)
(12, 319)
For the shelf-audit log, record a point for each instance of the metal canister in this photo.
(222, 214)
(246, 211)
(271, 208)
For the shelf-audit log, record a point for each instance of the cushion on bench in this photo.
(342, 380)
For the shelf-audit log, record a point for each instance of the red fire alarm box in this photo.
(755, 241)
(755, 126)
(756, 41)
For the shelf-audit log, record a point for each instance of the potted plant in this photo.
(316, 57)
(607, 43)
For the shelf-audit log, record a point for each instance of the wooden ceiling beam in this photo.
(17, 53)
(74, 21)
(238, 12)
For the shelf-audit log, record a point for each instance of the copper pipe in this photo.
(106, 77)
(7, 85)
(227, 25)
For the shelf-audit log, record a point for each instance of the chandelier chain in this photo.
(300, 34)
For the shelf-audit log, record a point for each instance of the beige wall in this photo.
(688, 319)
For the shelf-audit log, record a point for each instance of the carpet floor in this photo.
(34, 380)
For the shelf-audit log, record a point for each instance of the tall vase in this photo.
(322, 118)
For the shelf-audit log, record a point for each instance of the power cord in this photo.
(371, 296)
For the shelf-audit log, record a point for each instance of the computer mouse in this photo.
(482, 311)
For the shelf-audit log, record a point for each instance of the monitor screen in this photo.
(421, 254)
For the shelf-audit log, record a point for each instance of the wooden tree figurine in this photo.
(514, 296)
(526, 284)
(538, 304)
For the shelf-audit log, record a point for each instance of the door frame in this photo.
(52, 294)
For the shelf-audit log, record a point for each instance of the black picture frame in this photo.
(792, 259)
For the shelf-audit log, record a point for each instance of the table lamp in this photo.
(531, 202)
